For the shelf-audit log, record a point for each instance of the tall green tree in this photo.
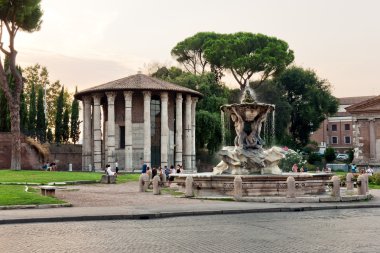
(15, 16)
(59, 117)
(75, 123)
(246, 54)
(4, 114)
(190, 52)
(310, 99)
(49, 136)
(65, 126)
(23, 114)
(41, 119)
(32, 113)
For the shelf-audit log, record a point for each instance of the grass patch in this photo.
(374, 186)
(123, 178)
(44, 177)
(16, 195)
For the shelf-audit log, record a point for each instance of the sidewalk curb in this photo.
(35, 206)
(161, 215)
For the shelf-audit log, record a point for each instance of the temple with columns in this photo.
(138, 119)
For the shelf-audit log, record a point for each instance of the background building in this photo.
(337, 131)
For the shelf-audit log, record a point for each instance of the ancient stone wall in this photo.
(30, 159)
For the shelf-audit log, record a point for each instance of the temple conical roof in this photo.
(138, 82)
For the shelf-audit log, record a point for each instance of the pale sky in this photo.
(90, 42)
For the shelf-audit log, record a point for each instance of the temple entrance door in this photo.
(155, 117)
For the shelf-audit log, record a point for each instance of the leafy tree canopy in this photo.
(189, 52)
(246, 54)
(310, 99)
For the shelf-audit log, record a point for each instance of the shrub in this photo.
(374, 179)
(330, 155)
(314, 158)
(291, 158)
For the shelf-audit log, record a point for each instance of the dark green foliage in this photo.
(59, 117)
(49, 136)
(25, 14)
(212, 137)
(314, 158)
(330, 155)
(74, 129)
(190, 52)
(65, 126)
(5, 123)
(245, 54)
(23, 114)
(350, 155)
(310, 99)
(271, 93)
(41, 119)
(32, 113)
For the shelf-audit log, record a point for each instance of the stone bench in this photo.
(48, 191)
(106, 179)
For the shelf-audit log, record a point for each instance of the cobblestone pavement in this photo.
(316, 231)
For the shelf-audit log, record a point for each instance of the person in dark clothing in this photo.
(143, 169)
(167, 171)
(154, 172)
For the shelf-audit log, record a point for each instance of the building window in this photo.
(334, 140)
(346, 127)
(334, 127)
(347, 139)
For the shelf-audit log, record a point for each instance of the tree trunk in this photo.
(16, 136)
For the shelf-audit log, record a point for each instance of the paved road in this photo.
(316, 231)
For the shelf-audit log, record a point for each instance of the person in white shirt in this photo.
(109, 171)
(369, 171)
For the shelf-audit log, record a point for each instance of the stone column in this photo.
(372, 138)
(193, 153)
(86, 147)
(178, 129)
(111, 128)
(147, 137)
(188, 141)
(189, 192)
(238, 187)
(336, 187)
(164, 129)
(97, 134)
(128, 130)
(291, 189)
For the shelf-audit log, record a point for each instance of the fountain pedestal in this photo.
(207, 184)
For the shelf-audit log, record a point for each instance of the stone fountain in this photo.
(256, 167)
(248, 155)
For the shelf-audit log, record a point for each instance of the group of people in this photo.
(160, 171)
(49, 166)
(295, 168)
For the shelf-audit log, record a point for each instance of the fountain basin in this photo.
(208, 184)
